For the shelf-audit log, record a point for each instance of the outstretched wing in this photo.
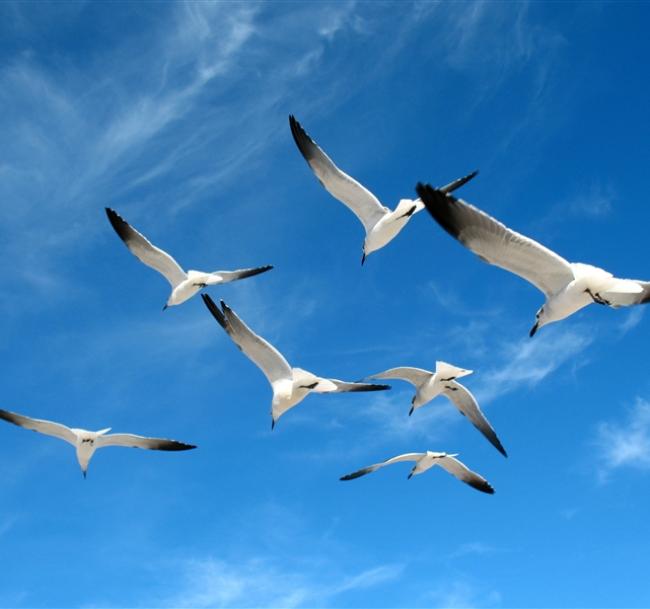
(264, 355)
(376, 466)
(461, 397)
(415, 376)
(336, 386)
(339, 184)
(48, 428)
(496, 243)
(462, 472)
(133, 441)
(145, 251)
(228, 276)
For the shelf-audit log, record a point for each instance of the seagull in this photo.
(568, 286)
(86, 442)
(425, 461)
(290, 385)
(443, 381)
(184, 284)
(382, 225)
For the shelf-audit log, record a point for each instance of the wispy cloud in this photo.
(624, 444)
(527, 362)
(461, 593)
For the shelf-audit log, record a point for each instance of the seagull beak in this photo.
(534, 329)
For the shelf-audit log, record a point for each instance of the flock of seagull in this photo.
(567, 287)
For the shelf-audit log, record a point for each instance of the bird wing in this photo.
(48, 428)
(339, 184)
(264, 355)
(145, 251)
(496, 243)
(133, 441)
(415, 376)
(455, 185)
(376, 466)
(344, 386)
(462, 472)
(629, 295)
(228, 276)
(461, 397)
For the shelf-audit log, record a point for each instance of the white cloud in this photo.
(211, 582)
(529, 361)
(624, 445)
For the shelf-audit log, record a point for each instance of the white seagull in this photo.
(428, 385)
(290, 385)
(382, 225)
(568, 286)
(425, 461)
(184, 284)
(86, 442)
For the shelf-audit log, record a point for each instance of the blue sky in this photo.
(175, 115)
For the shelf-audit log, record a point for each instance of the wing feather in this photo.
(264, 355)
(49, 428)
(462, 398)
(462, 472)
(339, 184)
(145, 251)
(133, 441)
(496, 243)
(376, 466)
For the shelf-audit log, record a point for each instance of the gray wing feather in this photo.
(264, 355)
(228, 276)
(496, 243)
(462, 472)
(343, 386)
(415, 376)
(48, 428)
(145, 251)
(133, 441)
(376, 466)
(462, 398)
(339, 184)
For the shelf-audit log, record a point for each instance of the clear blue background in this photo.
(175, 115)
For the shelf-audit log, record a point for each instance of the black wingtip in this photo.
(533, 330)
(412, 410)
(363, 258)
(482, 485)
(456, 184)
(214, 309)
(357, 474)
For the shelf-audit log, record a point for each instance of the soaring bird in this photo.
(87, 442)
(567, 286)
(428, 385)
(382, 225)
(184, 284)
(290, 385)
(425, 461)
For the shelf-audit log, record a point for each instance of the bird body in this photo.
(568, 287)
(87, 442)
(290, 385)
(184, 284)
(425, 461)
(381, 224)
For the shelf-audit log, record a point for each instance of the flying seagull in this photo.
(290, 385)
(382, 225)
(568, 286)
(428, 385)
(425, 461)
(86, 442)
(184, 284)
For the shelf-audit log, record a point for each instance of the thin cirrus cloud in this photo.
(624, 444)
